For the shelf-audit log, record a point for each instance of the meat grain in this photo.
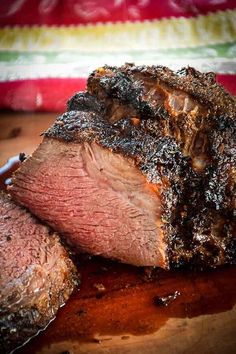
(36, 278)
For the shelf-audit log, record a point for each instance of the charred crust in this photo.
(127, 82)
(83, 101)
(198, 205)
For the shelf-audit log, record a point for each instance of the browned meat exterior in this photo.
(201, 116)
(208, 228)
(167, 103)
(134, 170)
(36, 277)
(152, 89)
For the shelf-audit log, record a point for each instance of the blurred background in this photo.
(48, 48)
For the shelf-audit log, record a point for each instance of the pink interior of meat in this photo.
(98, 199)
(17, 229)
(28, 254)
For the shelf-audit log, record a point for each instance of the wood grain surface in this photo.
(124, 317)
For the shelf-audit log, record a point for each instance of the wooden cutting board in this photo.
(124, 309)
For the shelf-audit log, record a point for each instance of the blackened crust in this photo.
(126, 83)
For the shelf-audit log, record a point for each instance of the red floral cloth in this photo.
(76, 12)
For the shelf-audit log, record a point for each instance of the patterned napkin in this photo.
(48, 47)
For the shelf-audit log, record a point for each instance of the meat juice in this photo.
(125, 304)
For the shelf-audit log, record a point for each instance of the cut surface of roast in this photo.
(99, 200)
(141, 169)
(36, 278)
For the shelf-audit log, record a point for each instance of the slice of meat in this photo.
(36, 277)
(87, 186)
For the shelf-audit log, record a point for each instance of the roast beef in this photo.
(129, 171)
(36, 276)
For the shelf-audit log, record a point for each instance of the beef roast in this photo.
(129, 172)
(36, 277)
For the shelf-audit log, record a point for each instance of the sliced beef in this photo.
(100, 186)
(132, 177)
(36, 277)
